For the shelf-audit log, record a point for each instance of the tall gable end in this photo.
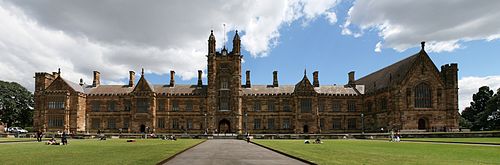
(143, 86)
(62, 84)
(304, 87)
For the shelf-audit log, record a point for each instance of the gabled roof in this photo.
(143, 85)
(109, 89)
(74, 86)
(304, 85)
(389, 75)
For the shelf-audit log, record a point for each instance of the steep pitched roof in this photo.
(389, 75)
(74, 86)
(109, 89)
(143, 85)
(304, 85)
(178, 89)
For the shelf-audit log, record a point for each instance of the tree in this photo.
(16, 104)
(492, 112)
(476, 112)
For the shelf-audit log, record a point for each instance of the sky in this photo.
(333, 37)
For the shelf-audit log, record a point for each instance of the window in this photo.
(161, 106)
(305, 105)
(369, 106)
(351, 123)
(256, 106)
(321, 106)
(56, 105)
(125, 123)
(175, 124)
(160, 122)
(96, 123)
(111, 123)
(286, 123)
(336, 124)
(96, 105)
(224, 83)
(56, 121)
(111, 106)
(336, 106)
(270, 106)
(270, 123)
(383, 104)
(175, 105)
(423, 96)
(142, 105)
(256, 123)
(351, 106)
(189, 124)
(189, 106)
(224, 103)
(286, 106)
(127, 105)
(322, 123)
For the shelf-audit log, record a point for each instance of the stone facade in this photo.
(411, 94)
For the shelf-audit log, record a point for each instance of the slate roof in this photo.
(389, 75)
(177, 89)
(289, 89)
(109, 89)
(74, 86)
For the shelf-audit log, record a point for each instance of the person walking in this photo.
(39, 136)
(64, 138)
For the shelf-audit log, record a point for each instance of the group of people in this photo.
(53, 141)
(171, 137)
(317, 141)
(395, 137)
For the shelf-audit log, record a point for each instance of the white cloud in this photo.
(445, 24)
(378, 47)
(81, 36)
(470, 85)
(331, 17)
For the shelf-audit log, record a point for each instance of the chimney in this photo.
(200, 82)
(248, 85)
(315, 79)
(275, 79)
(97, 79)
(172, 78)
(351, 78)
(81, 82)
(131, 79)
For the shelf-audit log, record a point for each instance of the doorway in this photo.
(224, 126)
(422, 124)
(306, 129)
(143, 128)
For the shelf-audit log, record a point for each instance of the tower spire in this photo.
(142, 72)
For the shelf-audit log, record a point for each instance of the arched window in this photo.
(423, 95)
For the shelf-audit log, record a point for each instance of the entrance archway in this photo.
(422, 124)
(143, 128)
(306, 129)
(224, 126)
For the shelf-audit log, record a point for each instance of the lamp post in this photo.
(362, 123)
(246, 123)
(206, 126)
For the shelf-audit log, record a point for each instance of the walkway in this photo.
(220, 152)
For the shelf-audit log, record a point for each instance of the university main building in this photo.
(411, 94)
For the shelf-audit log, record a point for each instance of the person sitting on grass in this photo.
(318, 141)
(306, 142)
(52, 142)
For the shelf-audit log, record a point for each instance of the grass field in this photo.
(468, 140)
(383, 152)
(112, 151)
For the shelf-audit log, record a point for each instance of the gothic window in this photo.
(175, 105)
(336, 124)
(127, 105)
(351, 106)
(305, 105)
(142, 105)
(336, 106)
(111, 123)
(55, 122)
(224, 103)
(270, 106)
(286, 123)
(160, 122)
(321, 106)
(423, 96)
(111, 106)
(383, 104)
(256, 124)
(189, 106)
(189, 124)
(351, 123)
(256, 106)
(96, 105)
(322, 123)
(224, 83)
(161, 106)
(96, 123)
(286, 106)
(175, 124)
(56, 105)
(270, 123)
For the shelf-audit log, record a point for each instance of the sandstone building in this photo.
(411, 94)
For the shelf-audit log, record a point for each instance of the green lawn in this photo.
(19, 139)
(384, 152)
(111, 151)
(471, 140)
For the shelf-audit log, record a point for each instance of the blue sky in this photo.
(331, 36)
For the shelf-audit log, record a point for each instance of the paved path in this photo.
(231, 152)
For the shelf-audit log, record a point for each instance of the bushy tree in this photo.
(483, 112)
(16, 104)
